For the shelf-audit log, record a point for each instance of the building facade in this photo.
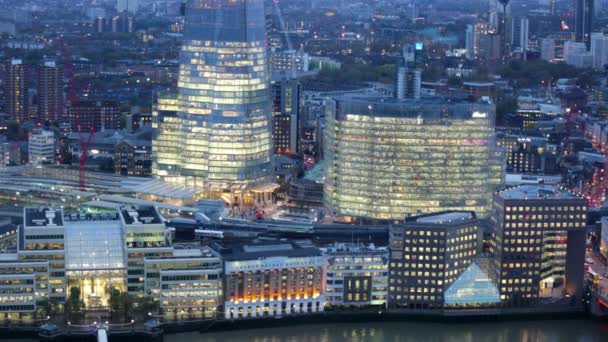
(16, 84)
(538, 242)
(273, 279)
(41, 145)
(223, 117)
(356, 275)
(427, 254)
(87, 115)
(386, 159)
(50, 92)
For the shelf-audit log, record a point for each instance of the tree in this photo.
(75, 305)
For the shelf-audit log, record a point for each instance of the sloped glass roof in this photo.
(472, 287)
(94, 245)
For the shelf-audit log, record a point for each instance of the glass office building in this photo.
(387, 158)
(223, 102)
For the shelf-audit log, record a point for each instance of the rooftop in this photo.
(262, 248)
(43, 217)
(536, 191)
(135, 215)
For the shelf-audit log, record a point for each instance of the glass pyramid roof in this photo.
(473, 286)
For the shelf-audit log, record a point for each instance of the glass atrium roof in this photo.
(472, 287)
(94, 245)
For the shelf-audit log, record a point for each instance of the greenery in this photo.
(357, 73)
(503, 108)
(75, 305)
(540, 72)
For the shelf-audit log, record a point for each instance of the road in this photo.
(600, 268)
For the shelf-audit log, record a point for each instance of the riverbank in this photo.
(328, 317)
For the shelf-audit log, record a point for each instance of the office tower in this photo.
(547, 49)
(123, 23)
(129, 6)
(357, 275)
(599, 49)
(409, 75)
(16, 90)
(469, 42)
(41, 144)
(427, 254)
(538, 241)
(520, 33)
(50, 92)
(502, 22)
(86, 115)
(576, 54)
(272, 278)
(225, 141)
(583, 21)
(386, 158)
(285, 94)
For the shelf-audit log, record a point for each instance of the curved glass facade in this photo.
(388, 159)
(223, 100)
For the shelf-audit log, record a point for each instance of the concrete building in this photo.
(129, 6)
(427, 254)
(285, 91)
(50, 92)
(133, 158)
(273, 279)
(127, 250)
(288, 60)
(409, 74)
(224, 109)
(538, 242)
(41, 145)
(386, 158)
(599, 49)
(547, 49)
(94, 115)
(16, 82)
(529, 155)
(356, 275)
(576, 54)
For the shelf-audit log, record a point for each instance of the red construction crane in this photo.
(85, 143)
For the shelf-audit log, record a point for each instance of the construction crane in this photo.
(85, 142)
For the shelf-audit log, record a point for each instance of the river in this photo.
(529, 331)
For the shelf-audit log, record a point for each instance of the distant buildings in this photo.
(16, 83)
(427, 254)
(129, 6)
(50, 92)
(547, 49)
(529, 155)
(576, 54)
(133, 158)
(41, 144)
(387, 159)
(538, 242)
(409, 74)
(273, 279)
(288, 61)
(357, 275)
(599, 49)
(583, 21)
(86, 115)
(285, 91)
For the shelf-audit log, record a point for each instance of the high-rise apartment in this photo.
(50, 91)
(584, 21)
(16, 90)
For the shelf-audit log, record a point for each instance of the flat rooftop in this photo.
(260, 249)
(140, 215)
(43, 217)
(536, 191)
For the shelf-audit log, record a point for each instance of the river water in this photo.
(530, 331)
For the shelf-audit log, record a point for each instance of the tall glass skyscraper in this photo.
(386, 159)
(222, 103)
